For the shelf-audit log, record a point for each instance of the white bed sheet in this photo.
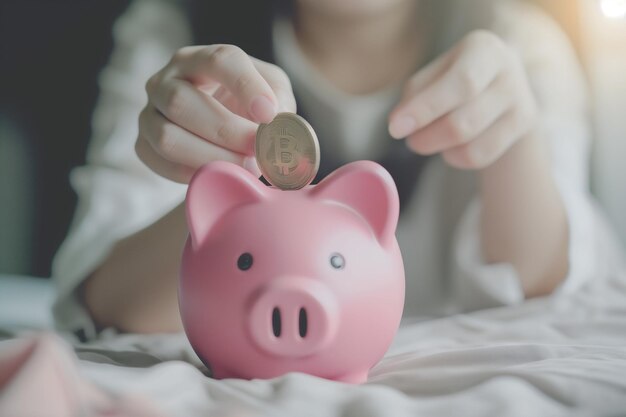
(548, 357)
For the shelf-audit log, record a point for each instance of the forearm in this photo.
(135, 289)
(523, 220)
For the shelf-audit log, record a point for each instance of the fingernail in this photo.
(402, 126)
(262, 109)
(251, 166)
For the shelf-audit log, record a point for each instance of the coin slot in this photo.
(303, 322)
(276, 322)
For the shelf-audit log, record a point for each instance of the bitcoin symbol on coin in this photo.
(284, 152)
(287, 151)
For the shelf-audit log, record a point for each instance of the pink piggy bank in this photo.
(278, 281)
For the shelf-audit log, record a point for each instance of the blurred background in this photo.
(52, 52)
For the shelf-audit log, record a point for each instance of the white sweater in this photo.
(438, 231)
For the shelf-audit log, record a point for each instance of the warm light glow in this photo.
(614, 9)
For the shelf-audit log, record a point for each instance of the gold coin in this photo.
(287, 151)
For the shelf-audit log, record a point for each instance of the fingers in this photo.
(280, 84)
(278, 81)
(471, 105)
(175, 152)
(474, 66)
(464, 123)
(205, 105)
(229, 101)
(175, 172)
(428, 74)
(233, 68)
(203, 115)
(487, 148)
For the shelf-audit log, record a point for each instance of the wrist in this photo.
(527, 154)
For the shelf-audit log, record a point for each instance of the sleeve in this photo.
(557, 81)
(117, 194)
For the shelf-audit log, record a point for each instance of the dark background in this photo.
(51, 53)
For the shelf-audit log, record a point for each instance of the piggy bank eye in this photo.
(245, 261)
(337, 261)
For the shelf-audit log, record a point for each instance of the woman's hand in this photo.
(471, 104)
(474, 105)
(204, 105)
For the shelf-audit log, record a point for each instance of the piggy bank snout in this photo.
(293, 317)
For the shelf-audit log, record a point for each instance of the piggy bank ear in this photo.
(367, 188)
(214, 189)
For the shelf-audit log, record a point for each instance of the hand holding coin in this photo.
(287, 151)
(204, 106)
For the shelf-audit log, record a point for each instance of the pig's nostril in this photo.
(303, 322)
(276, 324)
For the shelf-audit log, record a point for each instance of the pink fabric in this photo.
(39, 377)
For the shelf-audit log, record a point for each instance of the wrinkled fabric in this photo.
(559, 356)
(40, 376)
